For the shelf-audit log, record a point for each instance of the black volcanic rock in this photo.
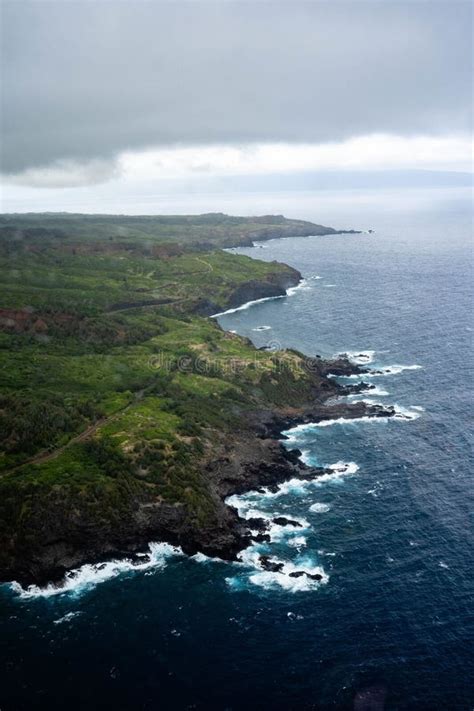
(257, 524)
(300, 573)
(283, 521)
(340, 366)
(271, 565)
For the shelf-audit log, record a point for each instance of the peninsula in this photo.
(127, 415)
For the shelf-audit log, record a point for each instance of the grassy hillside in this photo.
(113, 388)
(118, 232)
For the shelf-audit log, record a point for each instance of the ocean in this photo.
(389, 531)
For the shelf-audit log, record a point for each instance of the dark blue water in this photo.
(393, 539)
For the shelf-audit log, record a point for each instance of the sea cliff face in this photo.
(275, 284)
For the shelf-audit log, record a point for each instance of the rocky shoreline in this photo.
(276, 463)
(256, 457)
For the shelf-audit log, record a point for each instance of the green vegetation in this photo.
(148, 233)
(112, 386)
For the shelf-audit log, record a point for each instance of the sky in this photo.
(104, 100)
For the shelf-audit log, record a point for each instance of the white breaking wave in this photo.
(282, 579)
(307, 457)
(401, 413)
(247, 305)
(344, 467)
(300, 486)
(319, 508)
(291, 486)
(386, 370)
(337, 472)
(270, 581)
(380, 392)
(360, 357)
(356, 420)
(67, 617)
(302, 286)
(79, 580)
(297, 542)
(293, 435)
(245, 506)
(203, 558)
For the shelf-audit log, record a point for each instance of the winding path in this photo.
(47, 456)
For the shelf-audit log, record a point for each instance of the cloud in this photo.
(214, 162)
(67, 174)
(84, 82)
(374, 152)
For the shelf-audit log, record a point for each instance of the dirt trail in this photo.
(85, 434)
(124, 306)
(92, 429)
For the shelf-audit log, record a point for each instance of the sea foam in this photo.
(301, 286)
(251, 558)
(247, 305)
(319, 508)
(379, 392)
(401, 413)
(384, 371)
(360, 357)
(297, 542)
(300, 486)
(283, 580)
(336, 473)
(81, 579)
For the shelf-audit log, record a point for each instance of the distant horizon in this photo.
(237, 195)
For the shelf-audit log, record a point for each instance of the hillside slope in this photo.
(125, 414)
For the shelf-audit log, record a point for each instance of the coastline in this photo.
(256, 462)
(257, 457)
(266, 234)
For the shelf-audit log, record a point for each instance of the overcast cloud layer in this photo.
(84, 82)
